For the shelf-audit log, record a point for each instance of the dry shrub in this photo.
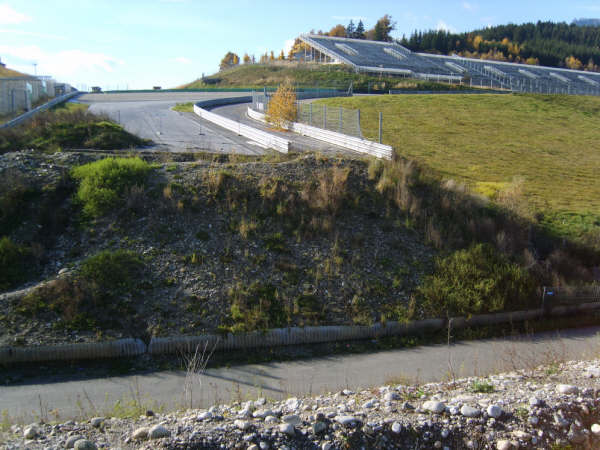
(330, 191)
(282, 111)
(135, 198)
(512, 198)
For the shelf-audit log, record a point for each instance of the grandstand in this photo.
(395, 59)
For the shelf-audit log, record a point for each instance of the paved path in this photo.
(149, 115)
(315, 376)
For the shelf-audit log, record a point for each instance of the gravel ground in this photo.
(554, 406)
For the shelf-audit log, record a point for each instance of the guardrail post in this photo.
(341, 118)
(310, 113)
(380, 125)
(324, 117)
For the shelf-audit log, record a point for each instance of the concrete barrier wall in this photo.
(342, 140)
(265, 139)
(23, 117)
(270, 338)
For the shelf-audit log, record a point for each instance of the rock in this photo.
(72, 439)
(504, 445)
(262, 413)
(445, 433)
(292, 419)
(391, 396)
(204, 416)
(346, 421)
(469, 411)
(292, 403)
(260, 402)
(319, 427)
(242, 424)
(140, 434)
(96, 421)
(158, 431)
(494, 411)
(567, 389)
(596, 429)
(369, 404)
(522, 435)
(407, 406)
(287, 428)
(326, 446)
(453, 410)
(534, 401)
(434, 406)
(31, 432)
(396, 427)
(533, 420)
(253, 447)
(593, 373)
(263, 445)
(84, 444)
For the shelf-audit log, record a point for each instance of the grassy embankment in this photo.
(546, 147)
(257, 76)
(69, 125)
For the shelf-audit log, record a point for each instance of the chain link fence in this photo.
(338, 119)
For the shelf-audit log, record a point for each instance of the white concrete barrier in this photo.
(332, 137)
(265, 139)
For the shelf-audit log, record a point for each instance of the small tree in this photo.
(360, 30)
(229, 60)
(281, 111)
(247, 59)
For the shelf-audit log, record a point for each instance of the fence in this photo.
(570, 295)
(338, 119)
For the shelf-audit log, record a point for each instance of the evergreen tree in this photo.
(350, 29)
(360, 30)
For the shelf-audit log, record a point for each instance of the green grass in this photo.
(256, 76)
(184, 107)
(551, 143)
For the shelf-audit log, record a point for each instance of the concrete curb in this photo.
(274, 337)
(44, 107)
(332, 137)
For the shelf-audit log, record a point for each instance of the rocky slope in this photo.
(554, 406)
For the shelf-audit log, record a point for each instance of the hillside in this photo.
(257, 76)
(545, 43)
(543, 148)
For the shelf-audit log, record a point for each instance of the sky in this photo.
(137, 44)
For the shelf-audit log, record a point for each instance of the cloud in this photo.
(32, 34)
(469, 6)
(443, 26)
(63, 64)
(9, 16)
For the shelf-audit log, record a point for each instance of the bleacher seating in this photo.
(393, 58)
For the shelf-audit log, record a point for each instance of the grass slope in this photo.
(8, 73)
(551, 143)
(307, 75)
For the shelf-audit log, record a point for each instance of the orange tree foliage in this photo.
(282, 111)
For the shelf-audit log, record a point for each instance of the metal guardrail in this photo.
(263, 138)
(44, 107)
(569, 295)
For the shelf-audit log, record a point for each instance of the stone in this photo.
(494, 411)
(140, 434)
(504, 445)
(369, 404)
(396, 427)
(158, 431)
(533, 420)
(567, 389)
(596, 429)
(271, 419)
(469, 411)
(292, 403)
(287, 428)
(293, 419)
(326, 446)
(96, 421)
(434, 406)
(253, 447)
(31, 432)
(453, 410)
(319, 427)
(204, 416)
(346, 421)
(72, 439)
(262, 413)
(391, 396)
(534, 401)
(522, 435)
(445, 433)
(263, 445)
(84, 444)
(242, 424)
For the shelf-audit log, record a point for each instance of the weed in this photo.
(14, 263)
(275, 242)
(481, 387)
(256, 307)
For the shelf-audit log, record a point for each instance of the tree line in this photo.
(546, 43)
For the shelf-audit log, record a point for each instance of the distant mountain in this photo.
(586, 22)
(544, 43)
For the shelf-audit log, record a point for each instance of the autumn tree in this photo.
(573, 63)
(229, 60)
(298, 48)
(281, 56)
(338, 31)
(247, 59)
(382, 29)
(281, 111)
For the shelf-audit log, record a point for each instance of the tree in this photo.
(338, 31)
(298, 48)
(264, 58)
(382, 29)
(272, 56)
(281, 56)
(247, 59)
(350, 29)
(360, 30)
(282, 111)
(229, 60)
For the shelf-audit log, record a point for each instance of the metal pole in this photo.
(310, 114)
(380, 125)
(324, 117)
(341, 119)
(358, 122)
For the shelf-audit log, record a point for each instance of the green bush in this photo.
(256, 307)
(475, 281)
(103, 183)
(13, 263)
(112, 270)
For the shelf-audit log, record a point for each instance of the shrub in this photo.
(282, 111)
(13, 263)
(111, 270)
(256, 307)
(475, 281)
(103, 184)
